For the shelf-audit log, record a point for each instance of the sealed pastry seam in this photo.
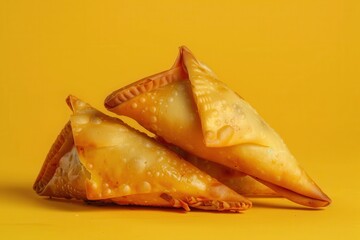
(236, 180)
(61, 146)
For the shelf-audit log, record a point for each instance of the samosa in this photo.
(100, 158)
(188, 106)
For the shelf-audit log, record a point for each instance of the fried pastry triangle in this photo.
(97, 157)
(189, 107)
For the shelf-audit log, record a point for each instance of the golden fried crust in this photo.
(122, 165)
(61, 146)
(236, 180)
(203, 116)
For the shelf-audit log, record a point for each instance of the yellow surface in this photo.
(297, 62)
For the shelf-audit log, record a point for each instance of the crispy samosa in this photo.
(189, 107)
(100, 158)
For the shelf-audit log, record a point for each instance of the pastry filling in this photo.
(69, 177)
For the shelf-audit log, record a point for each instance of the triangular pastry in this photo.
(97, 157)
(189, 107)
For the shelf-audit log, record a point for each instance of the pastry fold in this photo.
(189, 107)
(236, 180)
(100, 158)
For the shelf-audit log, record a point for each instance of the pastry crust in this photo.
(100, 158)
(189, 107)
(236, 180)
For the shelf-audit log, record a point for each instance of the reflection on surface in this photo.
(279, 203)
(22, 195)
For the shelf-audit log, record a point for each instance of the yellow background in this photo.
(297, 62)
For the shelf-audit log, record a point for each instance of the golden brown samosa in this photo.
(97, 157)
(189, 107)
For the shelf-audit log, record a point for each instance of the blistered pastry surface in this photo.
(271, 163)
(204, 117)
(124, 162)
